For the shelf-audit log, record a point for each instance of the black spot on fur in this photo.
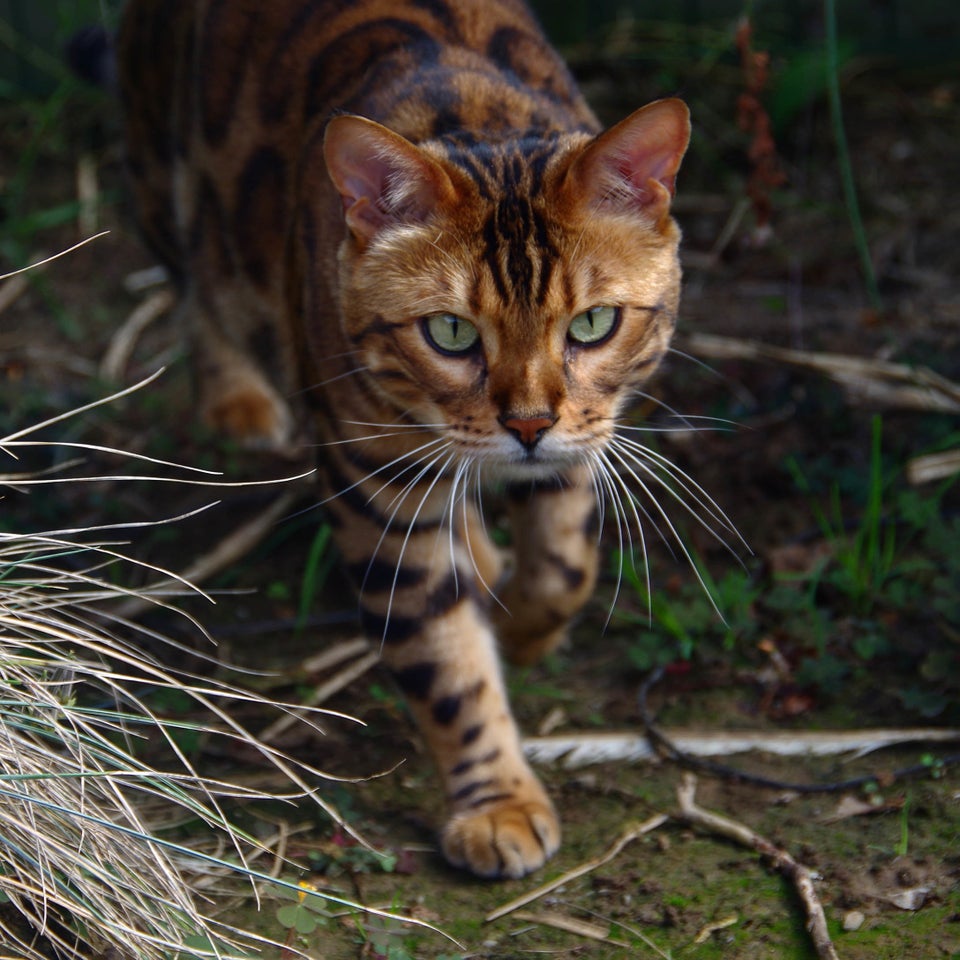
(393, 631)
(446, 709)
(378, 576)
(573, 576)
(471, 734)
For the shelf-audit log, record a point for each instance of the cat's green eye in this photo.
(449, 333)
(593, 325)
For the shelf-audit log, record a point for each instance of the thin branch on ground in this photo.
(581, 928)
(667, 748)
(798, 874)
(628, 836)
(124, 341)
(879, 382)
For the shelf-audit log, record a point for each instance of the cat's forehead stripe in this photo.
(517, 248)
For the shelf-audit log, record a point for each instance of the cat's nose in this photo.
(528, 430)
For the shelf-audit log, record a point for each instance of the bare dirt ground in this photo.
(844, 615)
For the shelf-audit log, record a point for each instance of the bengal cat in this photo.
(405, 213)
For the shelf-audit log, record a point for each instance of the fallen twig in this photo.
(711, 928)
(125, 339)
(561, 921)
(866, 379)
(933, 466)
(628, 836)
(14, 288)
(576, 750)
(799, 875)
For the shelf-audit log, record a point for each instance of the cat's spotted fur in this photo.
(405, 213)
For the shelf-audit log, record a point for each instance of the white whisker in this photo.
(639, 453)
(620, 456)
(406, 537)
(386, 466)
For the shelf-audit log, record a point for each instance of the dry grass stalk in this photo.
(627, 837)
(799, 875)
(81, 862)
(321, 694)
(237, 544)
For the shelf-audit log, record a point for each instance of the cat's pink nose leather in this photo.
(528, 431)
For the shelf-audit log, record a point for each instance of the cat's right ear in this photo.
(382, 178)
(632, 167)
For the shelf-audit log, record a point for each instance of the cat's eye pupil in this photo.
(448, 333)
(593, 325)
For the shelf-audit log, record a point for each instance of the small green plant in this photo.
(902, 846)
(302, 917)
(863, 562)
(320, 560)
(707, 611)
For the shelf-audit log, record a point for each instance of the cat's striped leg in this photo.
(500, 820)
(421, 602)
(555, 568)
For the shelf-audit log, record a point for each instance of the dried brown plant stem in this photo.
(628, 836)
(798, 874)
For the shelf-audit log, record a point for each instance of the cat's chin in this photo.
(527, 470)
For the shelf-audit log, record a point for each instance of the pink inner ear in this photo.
(382, 178)
(635, 163)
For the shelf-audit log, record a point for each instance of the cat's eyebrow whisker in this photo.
(643, 395)
(700, 363)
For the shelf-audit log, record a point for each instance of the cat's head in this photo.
(517, 294)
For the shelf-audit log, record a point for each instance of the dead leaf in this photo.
(912, 899)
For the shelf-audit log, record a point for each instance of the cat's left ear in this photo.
(633, 166)
(382, 178)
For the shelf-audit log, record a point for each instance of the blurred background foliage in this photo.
(674, 35)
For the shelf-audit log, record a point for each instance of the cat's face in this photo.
(514, 314)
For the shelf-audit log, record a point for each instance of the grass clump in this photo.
(88, 865)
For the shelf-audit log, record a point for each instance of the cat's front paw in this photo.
(509, 838)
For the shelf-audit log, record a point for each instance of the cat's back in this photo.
(260, 65)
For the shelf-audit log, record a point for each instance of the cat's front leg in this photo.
(500, 820)
(422, 602)
(555, 526)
